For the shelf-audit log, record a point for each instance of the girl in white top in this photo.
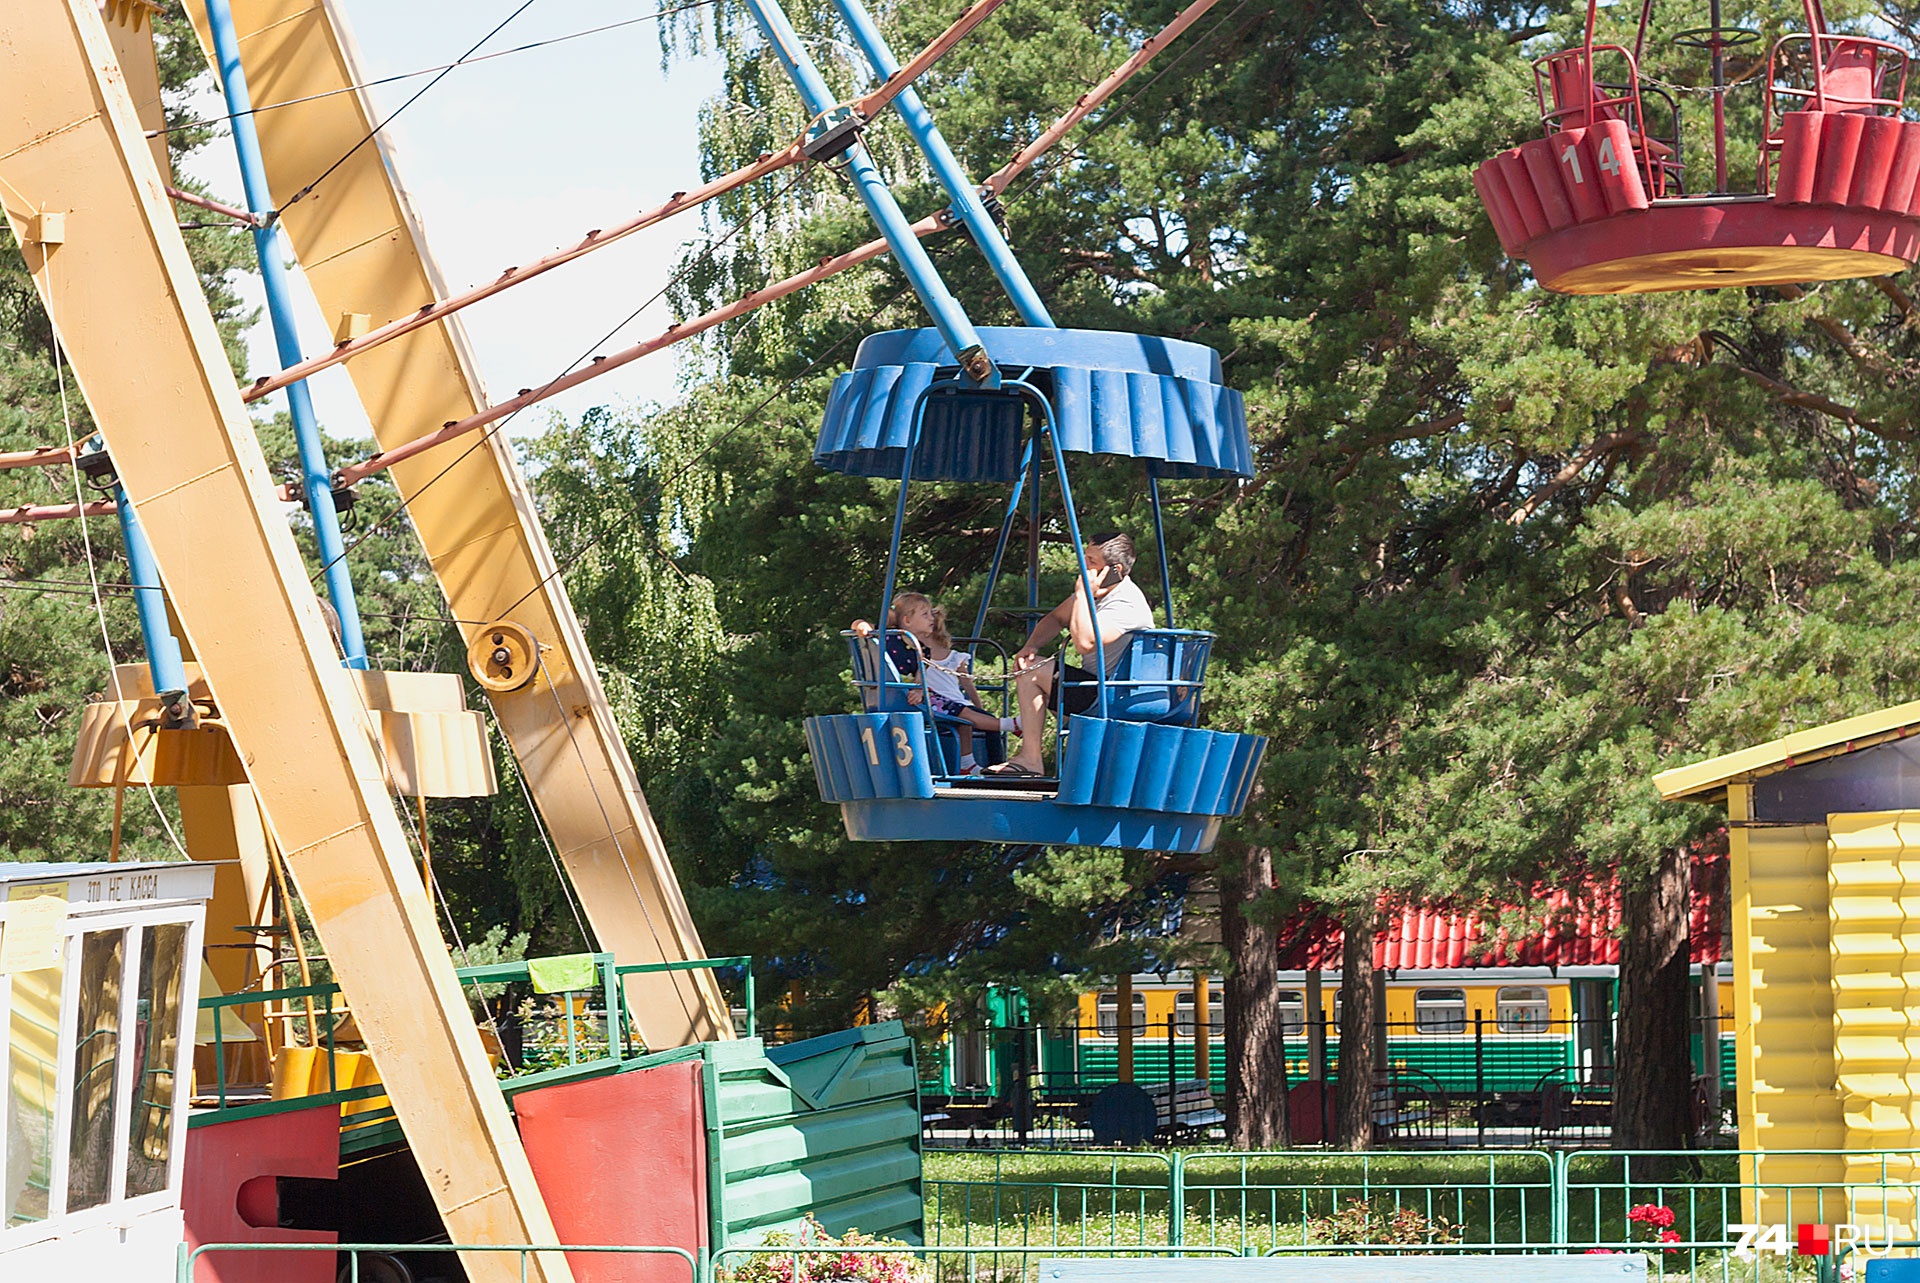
(949, 679)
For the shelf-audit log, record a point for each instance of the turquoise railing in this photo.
(596, 1048)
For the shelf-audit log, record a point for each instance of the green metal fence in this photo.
(1679, 1208)
(1049, 1197)
(992, 1215)
(1255, 1202)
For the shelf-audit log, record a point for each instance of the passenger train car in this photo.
(1468, 1030)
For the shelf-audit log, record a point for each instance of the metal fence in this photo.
(1473, 1079)
(992, 1216)
(1680, 1208)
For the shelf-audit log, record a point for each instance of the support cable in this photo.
(679, 331)
(93, 570)
(861, 109)
(418, 94)
(499, 422)
(207, 122)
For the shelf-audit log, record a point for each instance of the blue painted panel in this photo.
(1189, 770)
(987, 818)
(1247, 754)
(847, 769)
(1131, 395)
(1892, 1270)
(1183, 784)
(1080, 759)
(1158, 753)
(1120, 764)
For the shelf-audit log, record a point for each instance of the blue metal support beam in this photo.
(315, 479)
(967, 205)
(1160, 542)
(948, 316)
(150, 599)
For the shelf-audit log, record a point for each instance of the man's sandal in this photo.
(1012, 770)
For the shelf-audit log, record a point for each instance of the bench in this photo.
(1389, 1113)
(1185, 1110)
(1623, 1267)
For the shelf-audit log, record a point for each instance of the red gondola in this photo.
(1600, 204)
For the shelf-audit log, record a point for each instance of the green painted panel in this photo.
(828, 1127)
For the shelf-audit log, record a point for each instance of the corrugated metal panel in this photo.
(829, 1126)
(1783, 1012)
(1874, 916)
(1585, 931)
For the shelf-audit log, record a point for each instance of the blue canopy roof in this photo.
(1159, 400)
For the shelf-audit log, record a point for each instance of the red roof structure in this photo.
(1583, 929)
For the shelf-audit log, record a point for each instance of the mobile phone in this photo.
(1111, 576)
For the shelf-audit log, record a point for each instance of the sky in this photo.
(511, 158)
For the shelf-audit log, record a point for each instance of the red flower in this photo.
(1670, 1236)
(1653, 1215)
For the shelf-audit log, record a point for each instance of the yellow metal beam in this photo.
(363, 253)
(124, 298)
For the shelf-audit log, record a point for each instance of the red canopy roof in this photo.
(1582, 931)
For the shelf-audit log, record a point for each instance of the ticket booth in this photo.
(97, 1014)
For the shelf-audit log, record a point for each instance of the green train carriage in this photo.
(1468, 1030)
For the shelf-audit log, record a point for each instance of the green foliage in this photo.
(1507, 554)
(494, 947)
(862, 1258)
(1359, 1221)
(58, 636)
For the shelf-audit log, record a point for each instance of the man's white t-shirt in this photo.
(1122, 611)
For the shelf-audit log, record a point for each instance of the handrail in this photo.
(744, 960)
(608, 974)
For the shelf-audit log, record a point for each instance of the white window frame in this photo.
(1525, 1026)
(84, 918)
(1293, 1013)
(1183, 1015)
(1109, 1000)
(1454, 1009)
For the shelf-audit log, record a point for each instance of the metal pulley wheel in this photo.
(503, 656)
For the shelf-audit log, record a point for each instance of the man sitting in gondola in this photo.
(1120, 608)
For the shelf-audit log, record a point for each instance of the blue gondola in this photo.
(1135, 770)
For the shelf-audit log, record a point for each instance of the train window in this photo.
(1107, 1019)
(1521, 1009)
(1440, 1011)
(1183, 1014)
(1293, 1013)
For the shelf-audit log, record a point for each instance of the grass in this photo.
(1253, 1204)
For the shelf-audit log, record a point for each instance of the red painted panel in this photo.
(1542, 169)
(1905, 170)
(1736, 243)
(1500, 210)
(1799, 147)
(1309, 1108)
(224, 1159)
(1839, 149)
(622, 1160)
(1580, 175)
(1879, 141)
(1616, 167)
(1525, 199)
